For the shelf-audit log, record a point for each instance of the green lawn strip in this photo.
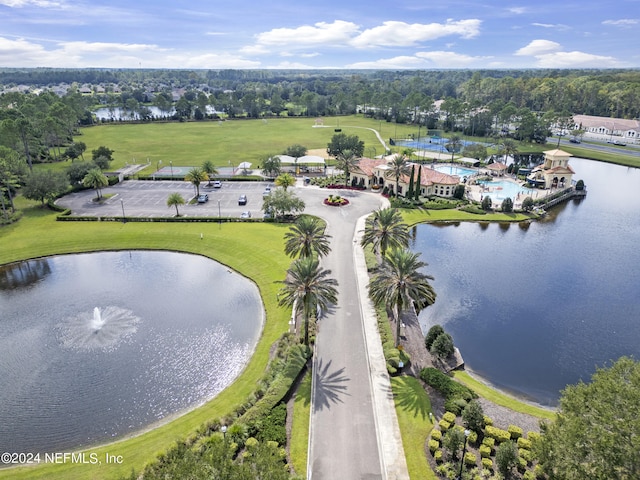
(500, 398)
(412, 408)
(241, 246)
(299, 442)
(415, 216)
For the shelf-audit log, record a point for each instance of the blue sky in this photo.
(399, 34)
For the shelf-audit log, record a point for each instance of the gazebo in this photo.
(497, 168)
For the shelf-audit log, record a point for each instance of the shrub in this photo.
(487, 463)
(444, 425)
(455, 405)
(431, 335)
(273, 426)
(449, 417)
(445, 385)
(442, 346)
(522, 464)
(527, 204)
(525, 455)
(476, 210)
(436, 435)
(534, 436)
(507, 205)
(485, 451)
(524, 443)
(489, 442)
(470, 459)
(506, 457)
(515, 431)
(433, 445)
(438, 456)
(497, 433)
(529, 475)
(473, 438)
(580, 185)
(487, 420)
(486, 203)
(473, 416)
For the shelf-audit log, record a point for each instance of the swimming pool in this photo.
(498, 190)
(454, 170)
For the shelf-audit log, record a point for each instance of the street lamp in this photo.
(123, 217)
(223, 429)
(464, 450)
(158, 163)
(171, 163)
(219, 216)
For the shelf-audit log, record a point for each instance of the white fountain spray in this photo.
(97, 322)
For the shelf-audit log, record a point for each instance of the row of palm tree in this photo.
(307, 287)
(398, 280)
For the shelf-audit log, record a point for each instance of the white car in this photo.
(217, 184)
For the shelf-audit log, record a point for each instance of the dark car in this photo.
(242, 200)
(203, 198)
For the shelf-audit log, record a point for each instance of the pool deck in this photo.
(477, 192)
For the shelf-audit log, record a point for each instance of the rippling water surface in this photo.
(173, 330)
(537, 306)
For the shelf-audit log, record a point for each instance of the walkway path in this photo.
(354, 432)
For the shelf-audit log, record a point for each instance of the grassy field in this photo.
(415, 216)
(26, 239)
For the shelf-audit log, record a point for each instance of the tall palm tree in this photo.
(454, 144)
(196, 175)
(507, 147)
(95, 179)
(399, 282)
(385, 229)
(398, 165)
(308, 287)
(285, 180)
(346, 161)
(306, 238)
(210, 169)
(174, 200)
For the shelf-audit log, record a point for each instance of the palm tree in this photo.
(454, 144)
(398, 282)
(209, 168)
(508, 147)
(95, 179)
(346, 161)
(308, 288)
(174, 200)
(385, 229)
(399, 167)
(306, 238)
(285, 180)
(196, 176)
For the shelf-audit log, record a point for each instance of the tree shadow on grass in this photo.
(409, 395)
(330, 386)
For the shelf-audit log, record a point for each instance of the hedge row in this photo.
(446, 385)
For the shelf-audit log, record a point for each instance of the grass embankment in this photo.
(38, 235)
(299, 442)
(502, 399)
(415, 216)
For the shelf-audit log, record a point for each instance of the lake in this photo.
(535, 307)
(97, 346)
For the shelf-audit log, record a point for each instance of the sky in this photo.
(320, 34)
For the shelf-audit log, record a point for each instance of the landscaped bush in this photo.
(489, 442)
(438, 456)
(455, 405)
(487, 420)
(524, 443)
(529, 475)
(475, 209)
(470, 459)
(449, 417)
(444, 425)
(273, 427)
(433, 333)
(473, 416)
(445, 385)
(485, 451)
(473, 438)
(436, 435)
(497, 433)
(515, 431)
(433, 445)
(525, 455)
(487, 463)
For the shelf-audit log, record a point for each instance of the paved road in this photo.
(354, 431)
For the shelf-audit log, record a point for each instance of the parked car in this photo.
(245, 215)
(203, 198)
(267, 192)
(217, 184)
(242, 200)
(574, 140)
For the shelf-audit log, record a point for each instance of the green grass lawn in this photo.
(413, 407)
(299, 442)
(38, 234)
(415, 216)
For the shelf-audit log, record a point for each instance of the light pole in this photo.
(158, 163)
(223, 429)
(171, 163)
(464, 450)
(219, 217)
(123, 217)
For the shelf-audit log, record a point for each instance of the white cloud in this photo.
(337, 33)
(434, 59)
(399, 63)
(399, 34)
(539, 47)
(518, 10)
(78, 48)
(576, 60)
(555, 26)
(624, 22)
(442, 59)
(28, 3)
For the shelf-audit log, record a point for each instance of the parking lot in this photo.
(149, 198)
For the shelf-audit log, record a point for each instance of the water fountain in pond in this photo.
(103, 329)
